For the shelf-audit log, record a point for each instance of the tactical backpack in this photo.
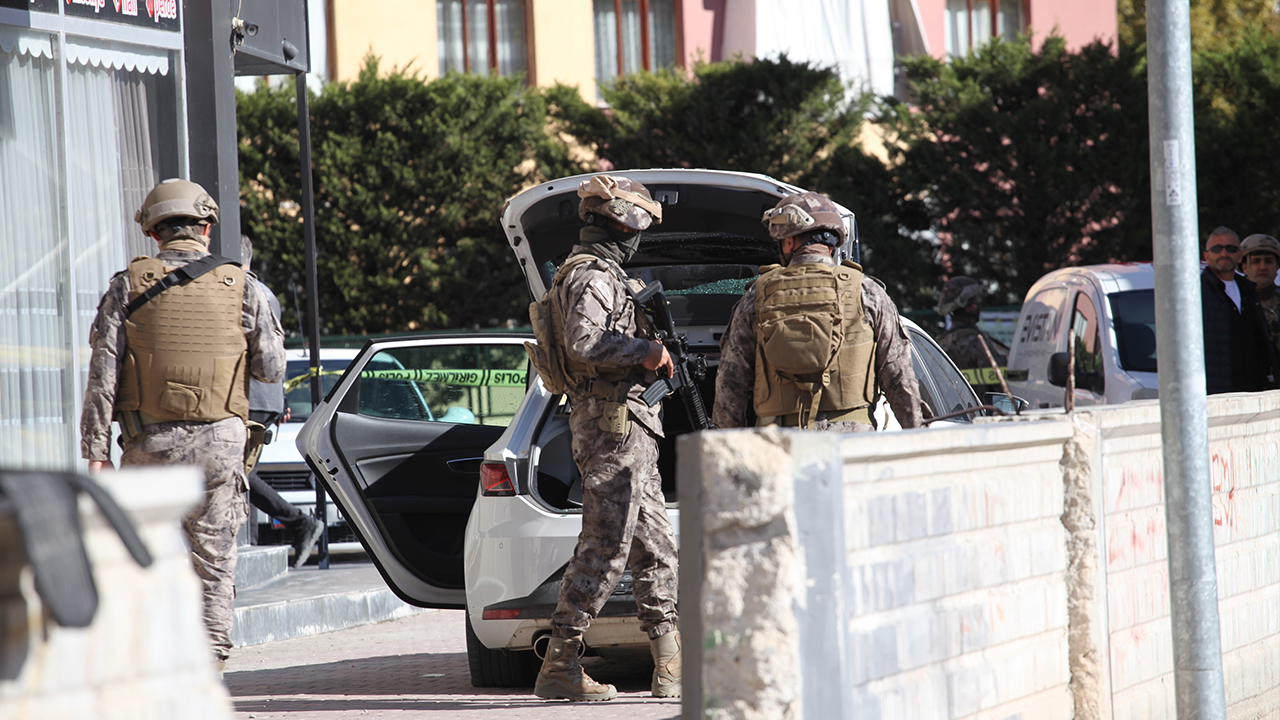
(547, 356)
(814, 348)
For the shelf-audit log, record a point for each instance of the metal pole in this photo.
(313, 292)
(1193, 586)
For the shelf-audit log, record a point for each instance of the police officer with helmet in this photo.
(813, 342)
(961, 298)
(608, 357)
(175, 341)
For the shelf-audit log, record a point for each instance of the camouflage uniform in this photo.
(961, 344)
(736, 376)
(624, 514)
(1270, 300)
(217, 448)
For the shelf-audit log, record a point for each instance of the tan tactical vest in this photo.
(814, 348)
(186, 351)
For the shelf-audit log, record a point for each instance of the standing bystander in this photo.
(174, 343)
(267, 408)
(1261, 261)
(1238, 356)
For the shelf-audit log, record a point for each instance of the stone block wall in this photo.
(1008, 569)
(146, 654)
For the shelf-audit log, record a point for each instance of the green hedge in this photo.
(1010, 162)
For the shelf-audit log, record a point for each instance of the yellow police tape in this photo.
(292, 383)
(464, 378)
(982, 376)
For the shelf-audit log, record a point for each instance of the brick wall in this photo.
(1001, 570)
(146, 654)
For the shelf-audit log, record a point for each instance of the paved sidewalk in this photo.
(415, 667)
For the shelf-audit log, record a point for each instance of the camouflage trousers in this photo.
(218, 449)
(624, 524)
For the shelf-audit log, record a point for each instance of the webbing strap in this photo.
(180, 276)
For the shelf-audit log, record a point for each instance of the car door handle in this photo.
(466, 466)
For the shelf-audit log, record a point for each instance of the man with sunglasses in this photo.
(176, 340)
(1238, 353)
(813, 342)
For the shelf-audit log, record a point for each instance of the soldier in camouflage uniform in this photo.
(1261, 258)
(181, 401)
(609, 362)
(961, 298)
(808, 229)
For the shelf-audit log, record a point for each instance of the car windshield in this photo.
(1135, 322)
(297, 391)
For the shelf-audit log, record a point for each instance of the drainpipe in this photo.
(1193, 586)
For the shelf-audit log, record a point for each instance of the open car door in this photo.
(398, 445)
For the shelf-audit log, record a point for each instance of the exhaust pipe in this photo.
(540, 643)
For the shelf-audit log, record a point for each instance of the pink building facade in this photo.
(864, 37)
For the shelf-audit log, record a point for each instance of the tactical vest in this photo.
(186, 352)
(557, 368)
(814, 348)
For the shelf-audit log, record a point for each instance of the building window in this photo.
(483, 36)
(648, 33)
(970, 24)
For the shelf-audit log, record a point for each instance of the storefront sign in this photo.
(160, 14)
(49, 6)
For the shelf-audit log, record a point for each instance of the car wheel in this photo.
(499, 668)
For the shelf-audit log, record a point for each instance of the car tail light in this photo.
(501, 614)
(494, 480)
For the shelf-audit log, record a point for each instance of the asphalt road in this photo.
(410, 668)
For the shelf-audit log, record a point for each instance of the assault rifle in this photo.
(690, 369)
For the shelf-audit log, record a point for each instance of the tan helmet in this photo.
(610, 197)
(176, 198)
(960, 292)
(802, 213)
(1260, 243)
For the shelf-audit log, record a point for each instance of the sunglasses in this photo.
(1233, 249)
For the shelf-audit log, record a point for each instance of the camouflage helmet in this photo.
(960, 292)
(176, 198)
(1260, 243)
(801, 213)
(618, 198)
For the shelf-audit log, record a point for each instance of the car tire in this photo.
(499, 668)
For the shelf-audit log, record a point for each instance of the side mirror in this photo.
(1058, 369)
(1007, 404)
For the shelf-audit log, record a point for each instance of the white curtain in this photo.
(1009, 22)
(632, 60)
(853, 35)
(980, 23)
(37, 406)
(111, 166)
(509, 22)
(662, 33)
(478, 35)
(449, 33)
(606, 36)
(957, 19)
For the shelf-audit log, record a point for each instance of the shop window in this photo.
(483, 36)
(633, 35)
(970, 24)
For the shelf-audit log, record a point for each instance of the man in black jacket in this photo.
(1237, 344)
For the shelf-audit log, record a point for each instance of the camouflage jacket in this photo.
(600, 329)
(107, 343)
(895, 377)
(961, 344)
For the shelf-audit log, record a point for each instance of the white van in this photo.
(1109, 313)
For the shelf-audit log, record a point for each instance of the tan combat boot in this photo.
(667, 668)
(562, 676)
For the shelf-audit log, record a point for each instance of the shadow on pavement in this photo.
(423, 682)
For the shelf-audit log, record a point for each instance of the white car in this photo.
(483, 511)
(1108, 312)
